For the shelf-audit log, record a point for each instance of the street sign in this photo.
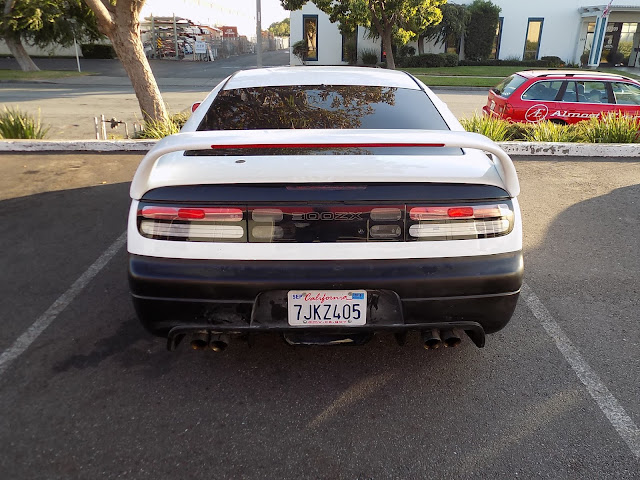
(201, 47)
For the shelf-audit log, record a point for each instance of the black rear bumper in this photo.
(246, 296)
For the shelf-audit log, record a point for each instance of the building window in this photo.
(310, 27)
(532, 40)
(625, 44)
(350, 47)
(495, 52)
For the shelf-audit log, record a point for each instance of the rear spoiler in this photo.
(251, 139)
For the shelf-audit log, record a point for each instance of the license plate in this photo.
(347, 308)
(493, 105)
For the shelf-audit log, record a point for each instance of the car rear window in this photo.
(626, 93)
(546, 90)
(322, 106)
(507, 86)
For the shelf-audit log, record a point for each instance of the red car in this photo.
(562, 96)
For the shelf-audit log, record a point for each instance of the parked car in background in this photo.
(325, 204)
(563, 97)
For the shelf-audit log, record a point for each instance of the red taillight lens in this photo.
(205, 224)
(507, 109)
(191, 213)
(459, 222)
(460, 212)
(195, 106)
(214, 214)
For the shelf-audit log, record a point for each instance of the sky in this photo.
(240, 13)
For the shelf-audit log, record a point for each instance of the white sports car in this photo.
(324, 204)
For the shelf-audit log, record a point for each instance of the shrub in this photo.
(406, 51)
(553, 62)
(615, 58)
(97, 51)
(504, 63)
(450, 59)
(351, 51)
(611, 128)
(369, 56)
(427, 60)
(160, 129)
(553, 132)
(300, 50)
(17, 124)
(495, 128)
(519, 131)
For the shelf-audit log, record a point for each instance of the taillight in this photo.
(309, 223)
(459, 222)
(195, 106)
(507, 109)
(201, 224)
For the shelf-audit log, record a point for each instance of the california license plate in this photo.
(327, 307)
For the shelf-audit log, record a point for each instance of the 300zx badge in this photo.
(326, 216)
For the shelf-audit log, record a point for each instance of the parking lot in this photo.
(87, 393)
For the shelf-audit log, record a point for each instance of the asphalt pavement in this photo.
(94, 396)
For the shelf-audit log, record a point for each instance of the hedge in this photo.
(430, 60)
(97, 51)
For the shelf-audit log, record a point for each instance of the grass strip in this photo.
(440, 81)
(501, 71)
(39, 75)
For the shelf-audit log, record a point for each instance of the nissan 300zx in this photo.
(324, 204)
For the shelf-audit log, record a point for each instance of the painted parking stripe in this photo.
(33, 332)
(596, 388)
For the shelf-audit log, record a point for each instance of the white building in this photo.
(561, 28)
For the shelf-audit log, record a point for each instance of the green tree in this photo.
(43, 23)
(386, 18)
(280, 29)
(481, 31)
(455, 19)
(120, 21)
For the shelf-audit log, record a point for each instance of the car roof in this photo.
(267, 77)
(572, 74)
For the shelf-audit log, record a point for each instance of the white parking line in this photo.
(598, 390)
(33, 332)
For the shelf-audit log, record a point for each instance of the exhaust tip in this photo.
(452, 338)
(218, 343)
(200, 340)
(431, 339)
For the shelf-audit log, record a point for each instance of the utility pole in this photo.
(154, 44)
(258, 34)
(175, 36)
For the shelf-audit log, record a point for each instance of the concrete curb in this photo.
(603, 150)
(62, 146)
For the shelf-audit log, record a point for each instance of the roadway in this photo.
(69, 105)
(553, 395)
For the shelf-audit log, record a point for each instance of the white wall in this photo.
(54, 51)
(329, 38)
(563, 30)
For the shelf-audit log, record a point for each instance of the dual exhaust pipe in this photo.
(206, 340)
(432, 339)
